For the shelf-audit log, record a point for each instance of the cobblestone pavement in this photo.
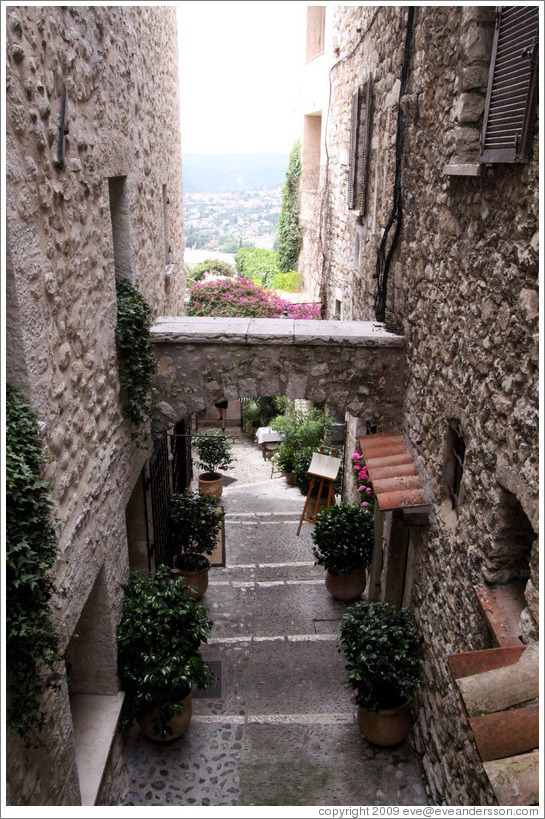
(277, 726)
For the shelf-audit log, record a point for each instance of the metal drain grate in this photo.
(214, 689)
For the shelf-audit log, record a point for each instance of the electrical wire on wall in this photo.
(323, 209)
(385, 252)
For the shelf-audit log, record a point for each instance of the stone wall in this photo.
(354, 366)
(114, 207)
(463, 289)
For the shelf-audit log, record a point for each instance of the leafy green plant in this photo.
(159, 638)
(137, 362)
(302, 431)
(290, 234)
(193, 523)
(382, 645)
(289, 282)
(258, 264)
(31, 551)
(343, 538)
(258, 412)
(214, 450)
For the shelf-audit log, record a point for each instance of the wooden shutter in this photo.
(365, 144)
(513, 85)
(360, 139)
(353, 156)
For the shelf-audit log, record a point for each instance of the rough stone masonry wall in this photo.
(119, 67)
(463, 286)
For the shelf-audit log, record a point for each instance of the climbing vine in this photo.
(137, 363)
(290, 234)
(31, 550)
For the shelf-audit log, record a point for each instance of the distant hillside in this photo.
(204, 173)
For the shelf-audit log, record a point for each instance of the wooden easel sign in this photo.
(325, 468)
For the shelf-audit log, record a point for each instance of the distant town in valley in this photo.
(232, 201)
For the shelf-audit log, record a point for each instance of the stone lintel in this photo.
(205, 330)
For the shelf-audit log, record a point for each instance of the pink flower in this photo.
(365, 503)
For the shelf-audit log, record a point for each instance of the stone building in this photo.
(93, 180)
(408, 220)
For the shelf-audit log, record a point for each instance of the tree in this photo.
(290, 234)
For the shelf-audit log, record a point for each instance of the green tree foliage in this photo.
(31, 550)
(257, 264)
(290, 234)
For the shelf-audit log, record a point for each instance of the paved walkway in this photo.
(277, 727)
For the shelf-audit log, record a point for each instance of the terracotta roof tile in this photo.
(392, 471)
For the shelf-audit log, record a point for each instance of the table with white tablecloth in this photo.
(268, 438)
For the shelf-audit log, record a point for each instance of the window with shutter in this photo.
(513, 86)
(360, 140)
(354, 129)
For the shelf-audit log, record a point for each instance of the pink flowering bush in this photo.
(362, 478)
(241, 298)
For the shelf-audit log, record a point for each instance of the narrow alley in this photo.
(276, 727)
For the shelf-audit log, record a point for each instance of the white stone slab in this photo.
(95, 720)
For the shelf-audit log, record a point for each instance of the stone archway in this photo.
(353, 366)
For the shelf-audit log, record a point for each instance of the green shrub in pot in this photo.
(382, 646)
(159, 658)
(343, 538)
(193, 525)
(215, 452)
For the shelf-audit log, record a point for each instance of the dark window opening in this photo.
(509, 558)
(455, 466)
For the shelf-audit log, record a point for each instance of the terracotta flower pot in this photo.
(347, 585)
(178, 723)
(210, 483)
(386, 727)
(197, 582)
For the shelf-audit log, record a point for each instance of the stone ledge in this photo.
(208, 330)
(95, 719)
(466, 169)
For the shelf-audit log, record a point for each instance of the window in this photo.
(512, 88)
(315, 31)
(166, 225)
(121, 231)
(360, 139)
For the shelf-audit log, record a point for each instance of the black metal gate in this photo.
(160, 486)
(182, 467)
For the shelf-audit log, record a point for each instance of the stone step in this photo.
(245, 761)
(276, 543)
(269, 608)
(276, 677)
(262, 572)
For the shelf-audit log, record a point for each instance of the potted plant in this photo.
(343, 538)
(215, 452)
(382, 645)
(194, 522)
(159, 659)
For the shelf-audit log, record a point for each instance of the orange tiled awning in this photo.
(392, 471)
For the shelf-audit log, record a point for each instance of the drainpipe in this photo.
(384, 257)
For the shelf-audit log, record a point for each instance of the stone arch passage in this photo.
(353, 366)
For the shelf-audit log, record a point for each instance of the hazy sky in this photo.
(240, 66)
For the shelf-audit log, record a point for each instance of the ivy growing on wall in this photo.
(137, 363)
(31, 550)
(290, 234)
